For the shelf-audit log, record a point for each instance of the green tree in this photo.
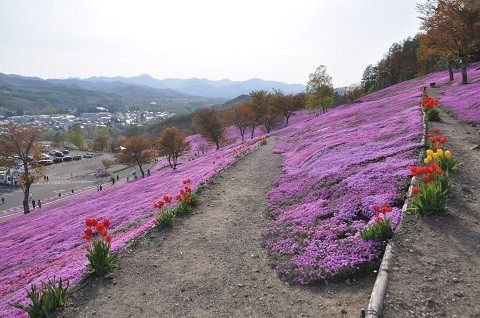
(76, 136)
(260, 105)
(20, 148)
(320, 90)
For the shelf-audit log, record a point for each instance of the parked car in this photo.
(65, 151)
(77, 157)
(58, 154)
(57, 160)
(88, 155)
(67, 158)
(45, 162)
(52, 153)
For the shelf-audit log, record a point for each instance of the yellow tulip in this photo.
(435, 155)
(430, 158)
(426, 161)
(448, 154)
(429, 152)
(440, 152)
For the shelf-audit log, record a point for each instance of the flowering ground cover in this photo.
(463, 100)
(336, 167)
(50, 241)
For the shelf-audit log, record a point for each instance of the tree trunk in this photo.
(464, 72)
(287, 117)
(141, 170)
(253, 132)
(217, 144)
(450, 70)
(26, 194)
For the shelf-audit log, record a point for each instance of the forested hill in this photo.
(32, 95)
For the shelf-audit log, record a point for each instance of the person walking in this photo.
(39, 204)
(33, 203)
(3, 200)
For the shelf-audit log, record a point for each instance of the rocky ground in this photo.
(436, 259)
(212, 263)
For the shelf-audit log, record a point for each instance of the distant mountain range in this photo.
(35, 95)
(203, 87)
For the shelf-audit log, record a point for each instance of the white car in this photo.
(88, 155)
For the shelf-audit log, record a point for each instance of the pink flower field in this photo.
(336, 166)
(50, 241)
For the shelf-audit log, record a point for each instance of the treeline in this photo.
(450, 38)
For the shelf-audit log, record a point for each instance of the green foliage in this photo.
(431, 198)
(448, 164)
(46, 299)
(379, 231)
(320, 90)
(165, 219)
(76, 136)
(101, 260)
(432, 114)
(263, 142)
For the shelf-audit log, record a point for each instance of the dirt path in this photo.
(212, 264)
(436, 260)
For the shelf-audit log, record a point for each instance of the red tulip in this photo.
(158, 204)
(188, 189)
(108, 238)
(99, 227)
(376, 207)
(439, 171)
(167, 198)
(106, 223)
(90, 222)
(88, 232)
(182, 191)
(88, 238)
(188, 200)
(178, 197)
(415, 190)
(436, 130)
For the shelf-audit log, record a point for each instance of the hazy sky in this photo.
(273, 40)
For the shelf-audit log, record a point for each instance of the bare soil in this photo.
(436, 259)
(212, 263)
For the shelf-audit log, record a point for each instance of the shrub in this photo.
(51, 295)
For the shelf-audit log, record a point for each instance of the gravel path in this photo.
(436, 259)
(212, 263)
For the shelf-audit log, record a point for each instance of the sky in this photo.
(216, 39)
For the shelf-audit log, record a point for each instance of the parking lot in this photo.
(70, 177)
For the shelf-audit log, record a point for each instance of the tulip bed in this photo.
(50, 241)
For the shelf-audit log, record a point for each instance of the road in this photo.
(63, 178)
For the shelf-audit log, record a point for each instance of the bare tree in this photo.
(240, 116)
(172, 143)
(138, 150)
(20, 149)
(208, 124)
